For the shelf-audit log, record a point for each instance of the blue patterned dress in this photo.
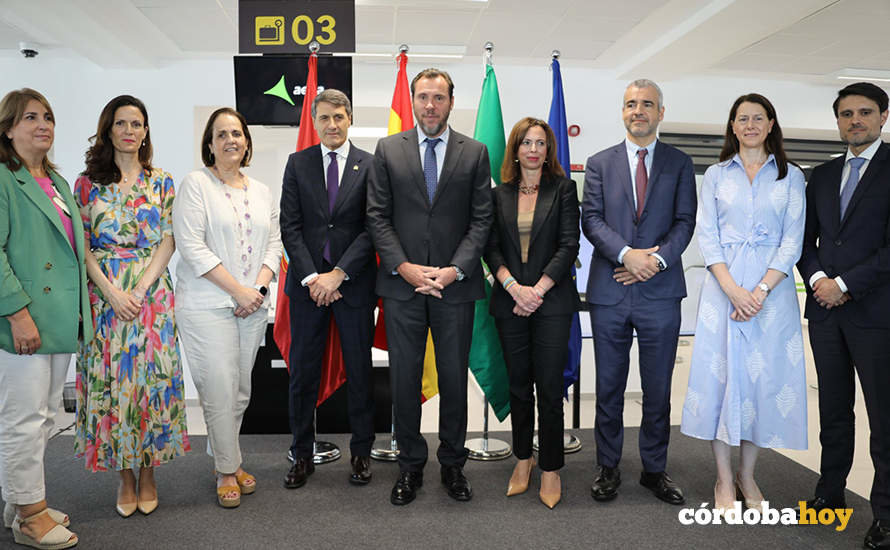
(747, 380)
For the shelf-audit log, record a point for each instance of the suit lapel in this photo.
(453, 150)
(624, 178)
(510, 212)
(411, 150)
(347, 182)
(34, 192)
(317, 180)
(543, 206)
(874, 166)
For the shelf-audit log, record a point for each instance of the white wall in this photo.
(180, 95)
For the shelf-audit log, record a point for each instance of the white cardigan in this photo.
(206, 233)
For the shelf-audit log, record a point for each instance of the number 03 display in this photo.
(288, 27)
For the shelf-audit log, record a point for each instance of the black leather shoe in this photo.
(361, 470)
(878, 535)
(821, 503)
(457, 484)
(405, 489)
(663, 487)
(605, 484)
(299, 471)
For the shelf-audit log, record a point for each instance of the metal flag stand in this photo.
(486, 448)
(322, 452)
(388, 452)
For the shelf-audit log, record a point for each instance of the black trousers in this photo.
(407, 323)
(839, 348)
(536, 350)
(309, 328)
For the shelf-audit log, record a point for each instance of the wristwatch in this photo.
(661, 266)
(262, 289)
(764, 287)
(460, 273)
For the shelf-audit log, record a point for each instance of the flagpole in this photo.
(571, 444)
(486, 448)
(383, 451)
(322, 451)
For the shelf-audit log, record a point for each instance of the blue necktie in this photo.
(430, 167)
(848, 190)
(333, 186)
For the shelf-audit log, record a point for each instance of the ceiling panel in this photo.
(11, 36)
(435, 26)
(374, 24)
(513, 35)
(790, 44)
(196, 29)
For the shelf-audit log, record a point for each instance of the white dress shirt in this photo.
(845, 175)
(634, 160)
(207, 235)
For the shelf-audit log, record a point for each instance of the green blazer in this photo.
(38, 268)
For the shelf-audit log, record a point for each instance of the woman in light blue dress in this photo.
(747, 384)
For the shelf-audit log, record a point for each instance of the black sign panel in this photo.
(270, 26)
(269, 90)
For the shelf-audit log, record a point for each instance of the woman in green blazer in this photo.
(44, 311)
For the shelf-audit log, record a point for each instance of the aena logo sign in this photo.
(280, 90)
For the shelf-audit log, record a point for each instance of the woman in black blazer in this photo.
(531, 248)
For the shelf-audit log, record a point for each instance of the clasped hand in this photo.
(828, 294)
(126, 305)
(325, 288)
(639, 265)
(527, 300)
(427, 279)
(249, 300)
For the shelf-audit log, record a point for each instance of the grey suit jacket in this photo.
(452, 230)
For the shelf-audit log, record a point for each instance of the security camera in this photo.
(28, 49)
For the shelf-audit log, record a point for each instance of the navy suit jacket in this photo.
(857, 247)
(608, 219)
(307, 224)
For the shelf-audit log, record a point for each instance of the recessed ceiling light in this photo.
(863, 74)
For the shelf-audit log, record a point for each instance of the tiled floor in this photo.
(859, 481)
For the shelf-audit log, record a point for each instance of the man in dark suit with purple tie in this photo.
(845, 264)
(332, 271)
(639, 212)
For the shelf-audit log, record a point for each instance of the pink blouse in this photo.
(47, 185)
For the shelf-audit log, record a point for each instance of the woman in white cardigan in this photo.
(226, 229)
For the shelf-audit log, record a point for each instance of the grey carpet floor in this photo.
(330, 513)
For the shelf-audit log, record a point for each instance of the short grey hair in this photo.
(335, 98)
(646, 83)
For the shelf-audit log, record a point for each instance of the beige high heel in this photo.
(56, 538)
(550, 498)
(518, 483)
(751, 504)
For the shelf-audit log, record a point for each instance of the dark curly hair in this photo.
(101, 167)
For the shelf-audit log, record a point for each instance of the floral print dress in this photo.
(130, 400)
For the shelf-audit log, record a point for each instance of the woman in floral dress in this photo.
(130, 403)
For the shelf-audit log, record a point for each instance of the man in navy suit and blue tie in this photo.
(332, 272)
(639, 212)
(846, 265)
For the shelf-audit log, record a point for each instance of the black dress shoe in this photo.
(663, 487)
(361, 470)
(406, 487)
(299, 471)
(878, 535)
(818, 504)
(457, 484)
(605, 484)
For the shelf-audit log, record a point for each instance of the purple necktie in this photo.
(642, 181)
(333, 186)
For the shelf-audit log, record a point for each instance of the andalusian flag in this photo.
(401, 118)
(332, 372)
(486, 357)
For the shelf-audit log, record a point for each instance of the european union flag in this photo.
(557, 121)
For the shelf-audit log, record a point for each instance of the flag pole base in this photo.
(386, 452)
(486, 448)
(324, 452)
(570, 444)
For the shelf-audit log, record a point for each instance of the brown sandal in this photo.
(243, 478)
(228, 502)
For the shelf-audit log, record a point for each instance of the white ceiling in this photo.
(789, 39)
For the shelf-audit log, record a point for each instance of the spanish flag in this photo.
(401, 119)
(332, 372)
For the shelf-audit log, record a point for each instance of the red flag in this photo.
(332, 372)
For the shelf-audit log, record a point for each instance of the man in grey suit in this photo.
(429, 212)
